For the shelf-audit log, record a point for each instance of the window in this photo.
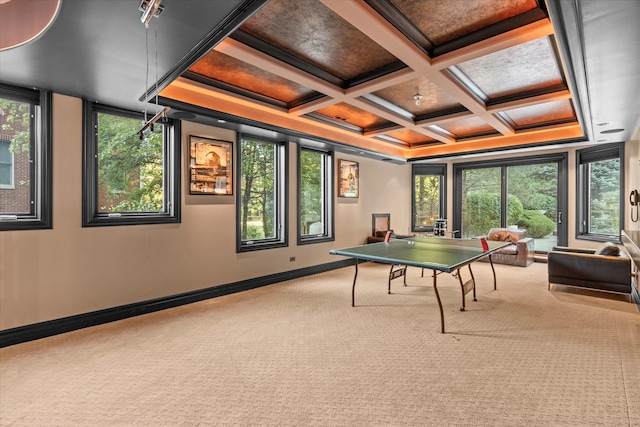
(315, 198)
(599, 193)
(25, 158)
(261, 194)
(129, 180)
(528, 193)
(6, 165)
(428, 196)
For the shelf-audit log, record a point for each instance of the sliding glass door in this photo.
(527, 193)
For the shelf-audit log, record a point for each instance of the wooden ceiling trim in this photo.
(502, 41)
(469, 101)
(205, 96)
(381, 31)
(445, 118)
(257, 58)
(382, 82)
(557, 133)
(527, 102)
(356, 91)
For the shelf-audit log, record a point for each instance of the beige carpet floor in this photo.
(297, 354)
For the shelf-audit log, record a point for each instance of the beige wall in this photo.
(49, 274)
(632, 180)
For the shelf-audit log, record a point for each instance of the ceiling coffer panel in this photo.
(312, 33)
(219, 67)
(547, 113)
(521, 68)
(354, 116)
(415, 74)
(444, 21)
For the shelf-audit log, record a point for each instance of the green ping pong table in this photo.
(439, 254)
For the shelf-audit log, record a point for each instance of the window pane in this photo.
(16, 171)
(130, 169)
(481, 201)
(427, 200)
(604, 197)
(312, 197)
(533, 197)
(259, 204)
(6, 165)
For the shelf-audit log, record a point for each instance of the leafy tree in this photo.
(258, 186)
(427, 199)
(536, 224)
(605, 196)
(15, 121)
(536, 186)
(130, 169)
(310, 188)
(483, 212)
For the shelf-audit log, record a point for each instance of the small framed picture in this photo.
(210, 166)
(348, 183)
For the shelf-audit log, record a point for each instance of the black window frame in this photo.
(439, 170)
(328, 230)
(561, 158)
(282, 196)
(583, 158)
(91, 217)
(41, 173)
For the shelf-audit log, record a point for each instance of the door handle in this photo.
(559, 217)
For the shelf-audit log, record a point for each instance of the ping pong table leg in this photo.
(493, 270)
(353, 288)
(394, 274)
(473, 279)
(466, 287)
(435, 288)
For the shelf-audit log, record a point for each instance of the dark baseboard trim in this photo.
(49, 328)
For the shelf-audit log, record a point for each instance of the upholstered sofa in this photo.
(520, 252)
(605, 269)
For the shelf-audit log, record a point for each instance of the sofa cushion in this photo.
(608, 248)
(508, 250)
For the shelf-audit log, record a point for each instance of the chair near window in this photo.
(380, 224)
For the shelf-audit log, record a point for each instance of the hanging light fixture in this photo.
(417, 97)
(151, 9)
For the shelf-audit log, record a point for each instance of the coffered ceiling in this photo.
(488, 74)
(410, 78)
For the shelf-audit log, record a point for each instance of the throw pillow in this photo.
(503, 236)
(608, 248)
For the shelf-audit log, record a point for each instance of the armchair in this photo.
(591, 269)
(380, 224)
(520, 252)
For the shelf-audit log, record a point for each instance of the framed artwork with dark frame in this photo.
(210, 166)
(348, 182)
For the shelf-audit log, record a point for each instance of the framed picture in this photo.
(210, 166)
(348, 183)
